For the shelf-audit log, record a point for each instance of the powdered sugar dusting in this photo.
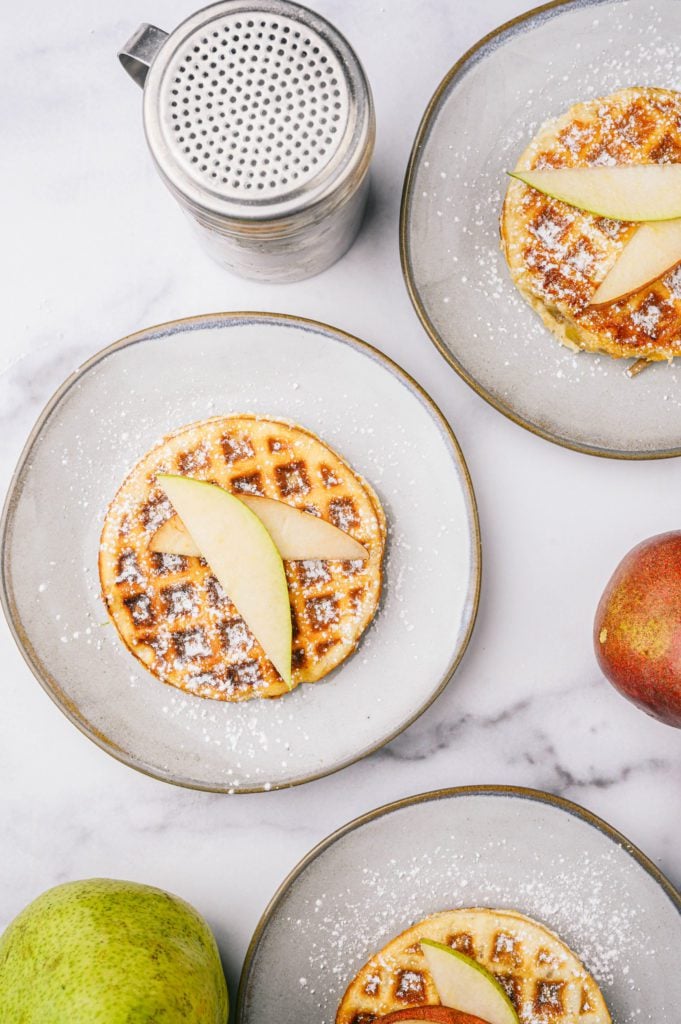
(648, 319)
(478, 851)
(458, 190)
(262, 744)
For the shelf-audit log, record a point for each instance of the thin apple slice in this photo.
(244, 558)
(298, 535)
(630, 192)
(653, 250)
(466, 985)
(172, 539)
(434, 1014)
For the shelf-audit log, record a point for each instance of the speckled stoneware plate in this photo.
(482, 116)
(478, 846)
(108, 414)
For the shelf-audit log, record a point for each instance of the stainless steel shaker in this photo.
(260, 120)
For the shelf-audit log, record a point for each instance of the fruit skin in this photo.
(101, 951)
(298, 535)
(241, 553)
(637, 628)
(628, 192)
(493, 998)
(434, 1014)
(652, 252)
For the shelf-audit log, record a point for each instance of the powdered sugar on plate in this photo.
(458, 185)
(115, 413)
(471, 850)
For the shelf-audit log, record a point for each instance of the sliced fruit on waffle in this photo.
(170, 609)
(297, 534)
(559, 255)
(631, 192)
(244, 558)
(543, 979)
(652, 252)
(465, 984)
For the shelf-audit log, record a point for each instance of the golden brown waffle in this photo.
(543, 978)
(170, 610)
(558, 255)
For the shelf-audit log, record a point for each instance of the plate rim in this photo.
(51, 685)
(510, 27)
(518, 792)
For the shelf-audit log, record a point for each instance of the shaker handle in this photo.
(139, 51)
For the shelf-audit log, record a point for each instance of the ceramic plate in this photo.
(481, 118)
(108, 415)
(478, 846)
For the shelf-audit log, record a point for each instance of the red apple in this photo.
(434, 1014)
(637, 630)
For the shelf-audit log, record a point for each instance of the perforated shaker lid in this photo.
(256, 110)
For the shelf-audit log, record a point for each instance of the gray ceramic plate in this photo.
(481, 118)
(108, 415)
(478, 846)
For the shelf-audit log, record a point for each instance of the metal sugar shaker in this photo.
(260, 120)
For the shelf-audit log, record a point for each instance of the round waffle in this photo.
(171, 612)
(558, 255)
(545, 981)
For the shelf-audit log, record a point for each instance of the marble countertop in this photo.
(95, 249)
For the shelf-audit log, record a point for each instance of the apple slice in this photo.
(631, 192)
(466, 985)
(435, 1014)
(653, 250)
(298, 535)
(172, 539)
(243, 557)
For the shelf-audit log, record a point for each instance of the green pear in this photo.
(109, 952)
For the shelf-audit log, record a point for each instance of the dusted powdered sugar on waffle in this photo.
(558, 254)
(540, 975)
(342, 926)
(271, 728)
(462, 194)
(119, 410)
(172, 612)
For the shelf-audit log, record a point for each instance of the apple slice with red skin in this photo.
(434, 1014)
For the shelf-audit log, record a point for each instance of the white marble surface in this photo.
(94, 249)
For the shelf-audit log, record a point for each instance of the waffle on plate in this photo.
(558, 255)
(545, 981)
(171, 612)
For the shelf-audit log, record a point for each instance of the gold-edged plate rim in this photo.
(454, 792)
(506, 29)
(48, 681)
